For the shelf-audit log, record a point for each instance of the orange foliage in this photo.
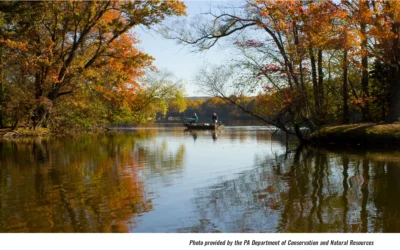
(64, 48)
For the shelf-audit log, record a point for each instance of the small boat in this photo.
(204, 126)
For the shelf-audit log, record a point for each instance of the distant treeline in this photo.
(204, 107)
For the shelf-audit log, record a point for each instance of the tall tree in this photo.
(70, 41)
(296, 35)
(392, 51)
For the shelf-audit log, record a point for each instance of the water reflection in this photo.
(84, 184)
(313, 190)
(195, 133)
(214, 135)
(233, 134)
(240, 179)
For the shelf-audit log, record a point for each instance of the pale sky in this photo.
(177, 58)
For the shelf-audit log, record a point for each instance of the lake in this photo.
(165, 179)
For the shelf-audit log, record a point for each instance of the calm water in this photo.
(163, 179)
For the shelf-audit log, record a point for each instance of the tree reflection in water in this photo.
(310, 190)
(84, 184)
(104, 183)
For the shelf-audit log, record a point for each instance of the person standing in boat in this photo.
(195, 118)
(215, 118)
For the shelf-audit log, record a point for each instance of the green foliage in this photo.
(89, 111)
(73, 116)
(160, 93)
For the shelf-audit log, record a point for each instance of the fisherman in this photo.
(215, 118)
(194, 119)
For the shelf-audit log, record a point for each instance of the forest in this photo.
(297, 64)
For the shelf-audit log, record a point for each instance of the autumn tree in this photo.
(292, 38)
(65, 46)
(305, 56)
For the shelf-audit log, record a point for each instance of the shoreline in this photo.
(4, 131)
(363, 134)
(23, 133)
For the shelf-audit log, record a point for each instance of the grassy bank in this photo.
(23, 133)
(4, 131)
(367, 134)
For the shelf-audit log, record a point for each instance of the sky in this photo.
(178, 59)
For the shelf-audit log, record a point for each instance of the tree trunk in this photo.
(1, 90)
(383, 112)
(346, 114)
(300, 54)
(364, 81)
(15, 123)
(289, 78)
(299, 134)
(1, 98)
(314, 80)
(322, 110)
